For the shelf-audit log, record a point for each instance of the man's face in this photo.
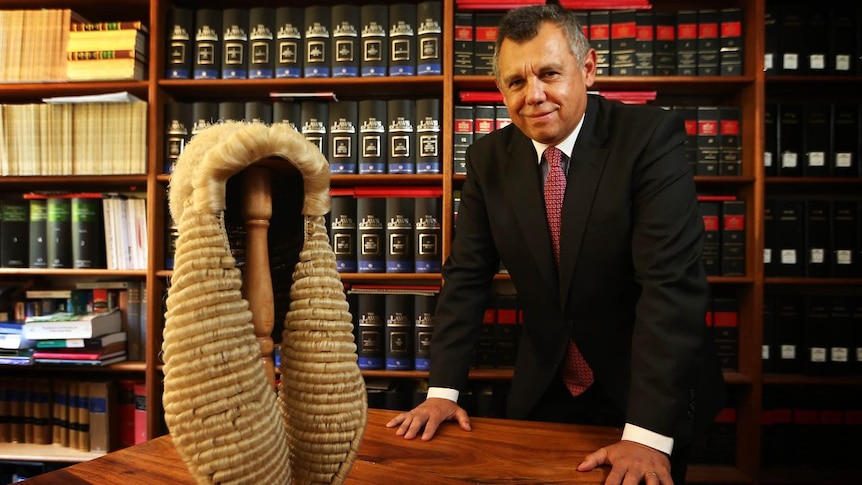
(542, 85)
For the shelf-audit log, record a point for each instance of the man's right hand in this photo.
(429, 415)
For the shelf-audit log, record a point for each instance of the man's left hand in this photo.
(631, 463)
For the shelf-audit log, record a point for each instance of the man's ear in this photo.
(589, 68)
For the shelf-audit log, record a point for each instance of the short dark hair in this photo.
(522, 24)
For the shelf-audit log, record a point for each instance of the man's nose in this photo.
(535, 91)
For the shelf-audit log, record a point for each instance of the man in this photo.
(623, 282)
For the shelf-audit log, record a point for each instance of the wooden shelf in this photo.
(51, 453)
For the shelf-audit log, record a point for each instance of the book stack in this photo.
(15, 349)
(92, 339)
(32, 44)
(107, 51)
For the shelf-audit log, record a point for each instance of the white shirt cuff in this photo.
(648, 438)
(443, 392)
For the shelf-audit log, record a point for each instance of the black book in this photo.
(258, 112)
(231, 111)
(172, 232)
(59, 231)
(261, 43)
(708, 21)
(287, 112)
(769, 257)
(815, 335)
(710, 211)
(770, 139)
(733, 238)
(14, 232)
(399, 234)
(429, 38)
(371, 234)
(644, 43)
(402, 39)
(501, 116)
(424, 307)
(485, 353)
(204, 114)
(343, 118)
(689, 116)
(373, 19)
(345, 40)
(622, 42)
(208, 28)
(234, 43)
(371, 311)
(856, 343)
(289, 25)
(686, 43)
(343, 232)
(818, 250)
(845, 239)
(846, 138)
(842, 334)
(790, 140)
(314, 119)
(844, 39)
(769, 352)
(462, 137)
(484, 120)
(707, 140)
(729, 145)
(372, 136)
(485, 26)
(463, 48)
(771, 62)
(791, 38)
(37, 238)
(787, 242)
(180, 42)
(600, 39)
(665, 43)
(318, 23)
(817, 40)
(731, 52)
(88, 236)
(428, 223)
(789, 320)
(400, 136)
(816, 128)
(178, 128)
(399, 332)
(725, 331)
(428, 139)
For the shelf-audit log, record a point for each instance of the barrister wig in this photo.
(225, 421)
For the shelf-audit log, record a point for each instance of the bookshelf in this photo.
(752, 91)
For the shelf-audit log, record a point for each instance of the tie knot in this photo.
(553, 155)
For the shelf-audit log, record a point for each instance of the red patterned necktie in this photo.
(576, 373)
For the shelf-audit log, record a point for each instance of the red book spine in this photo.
(140, 418)
(126, 412)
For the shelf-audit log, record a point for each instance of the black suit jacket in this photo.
(630, 290)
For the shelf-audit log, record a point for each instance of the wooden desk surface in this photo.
(497, 451)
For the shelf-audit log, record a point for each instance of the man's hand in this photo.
(631, 463)
(429, 415)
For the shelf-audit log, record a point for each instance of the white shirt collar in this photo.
(566, 146)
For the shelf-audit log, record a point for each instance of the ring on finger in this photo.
(650, 472)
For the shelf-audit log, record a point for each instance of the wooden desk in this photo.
(496, 451)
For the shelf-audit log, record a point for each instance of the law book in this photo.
(645, 41)
(399, 332)
(507, 332)
(125, 413)
(623, 37)
(372, 141)
(234, 43)
(731, 42)
(787, 238)
(789, 314)
(770, 139)
(342, 136)
(791, 38)
(371, 234)
(502, 118)
(600, 39)
(88, 236)
(371, 311)
(141, 411)
(119, 39)
(665, 43)
(711, 213)
(111, 350)
(462, 51)
(843, 34)
(82, 343)
(345, 40)
(428, 223)
(816, 26)
(725, 331)
(179, 31)
(401, 136)
(428, 137)
(842, 334)
(400, 212)
(231, 111)
(36, 235)
(318, 28)
(14, 232)
(82, 421)
(816, 131)
(818, 247)
(846, 120)
(729, 144)
(59, 232)
(110, 69)
(373, 21)
(815, 335)
(462, 136)
(287, 112)
(686, 43)
(771, 64)
(733, 233)
(689, 117)
(768, 353)
(206, 63)
(429, 38)
(178, 128)
(708, 22)
(402, 39)
(790, 130)
(484, 120)
(845, 239)
(343, 232)
(103, 416)
(424, 307)
(70, 325)
(314, 123)
(60, 412)
(261, 43)
(257, 112)
(290, 27)
(204, 114)
(485, 352)
(707, 140)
